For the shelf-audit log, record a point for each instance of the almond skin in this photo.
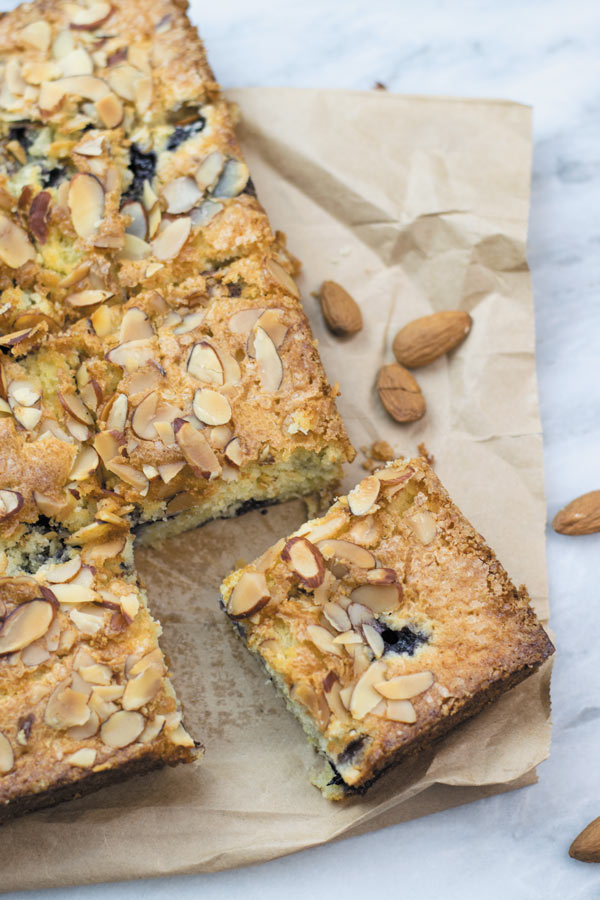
(340, 311)
(424, 340)
(580, 516)
(400, 393)
(586, 846)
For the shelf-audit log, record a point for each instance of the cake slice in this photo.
(85, 696)
(385, 623)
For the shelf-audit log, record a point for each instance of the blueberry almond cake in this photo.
(156, 371)
(384, 623)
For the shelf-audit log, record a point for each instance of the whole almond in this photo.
(340, 311)
(424, 340)
(580, 516)
(586, 846)
(400, 393)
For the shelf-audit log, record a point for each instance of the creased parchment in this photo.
(414, 204)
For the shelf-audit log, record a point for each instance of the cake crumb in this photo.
(424, 452)
(377, 453)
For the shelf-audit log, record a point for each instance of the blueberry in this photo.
(404, 641)
(51, 177)
(185, 132)
(23, 135)
(142, 166)
(351, 751)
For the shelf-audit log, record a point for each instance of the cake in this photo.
(384, 623)
(156, 371)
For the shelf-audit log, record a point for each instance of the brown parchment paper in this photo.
(414, 204)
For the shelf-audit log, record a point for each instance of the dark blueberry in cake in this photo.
(185, 132)
(234, 290)
(142, 166)
(352, 750)
(23, 135)
(250, 189)
(404, 641)
(52, 177)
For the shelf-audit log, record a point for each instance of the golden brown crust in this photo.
(413, 625)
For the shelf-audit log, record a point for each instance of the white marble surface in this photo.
(544, 53)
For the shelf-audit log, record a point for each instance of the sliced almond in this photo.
(336, 616)
(204, 364)
(380, 598)
(83, 759)
(168, 243)
(37, 35)
(269, 362)
(11, 502)
(86, 204)
(96, 673)
(117, 413)
(7, 756)
(134, 248)
(405, 687)
(128, 474)
(322, 639)
(283, 279)
(249, 595)
(74, 593)
(181, 194)
(198, 453)
(62, 572)
(243, 321)
(131, 355)
(393, 475)
(269, 321)
(123, 79)
(152, 730)
(15, 247)
(91, 146)
(168, 471)
(25, 624)
(209, 170)
(34, 654)
(364, 697)
(122, 728)
(89, 621)
(38, 216)
(363, 496)
(139, 219)
(374, 640)
(75, 407)
(88, 18)
(77, 62)
(27, 417)
(211, 407)
(15, 337)
(66, 708)
(142, 689)
(82, 732)
(346, 551)
(316, 703)
(347, 638)
(135, 326)
(190, 322)
(233, 451)
(232, 180)
(142, 420)
(424, 526)
(86, 462)
(400, 711)
(305, 560)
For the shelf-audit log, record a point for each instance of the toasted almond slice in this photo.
(91, 394)
(122, 728)
(168, 243)
(359, 615)
(82, 732)
(66, 708)
(128, 474)
(86, 462)
(38, 217)
(80, 432)
(37, 34)
(62, 572)
(380, 598)
(15, 337)
(27, 417)
(88, 622)
(249, 596)
(25, 624)
(76, 275)
(220, 436)
(11, 502)
(304, 693)
(269, 362)
(391, 475)
(165, 433)
(135, 326)
(204, 364)
(197, 452)
(269, 321)
(181, 194)
(77, 62)
(322, 639)
(83, 759)
(153, 658)
(363, 496)
(123, 79)
(233, 451)
(209, 170)
(424, 526)
(348, 638)
(243, 321)
(86, 86)
(190, 322)
(346, 551)
(142, 689)
(139, 219)
(102, 321)
(233, 179)
(86, 204)
(364, 698)
(76, 408)
(134, 248)
(336, 616)
(96, 673)
(305, 560)
(131, 355)
(381, 576)
(152, 730)
(400, 711)
(405, 687)
(34, 654)
(7, 756)
(117, 414)
(211, 407)
(15, 247)
(74, 593)
(88, 18)
(374, 640)
(168, 471)
(283, 279)
(142, 419)
(90, 146)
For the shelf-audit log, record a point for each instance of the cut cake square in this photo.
(385, 623)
